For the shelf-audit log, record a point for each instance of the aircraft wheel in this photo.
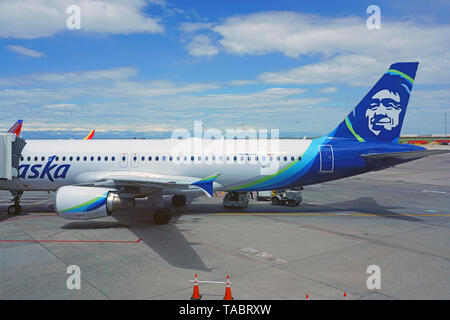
(14, 209)
(291, 203)
(275, 201)
(162, 216)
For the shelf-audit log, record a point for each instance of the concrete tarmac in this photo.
(397, 219)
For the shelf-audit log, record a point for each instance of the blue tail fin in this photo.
(379, 116)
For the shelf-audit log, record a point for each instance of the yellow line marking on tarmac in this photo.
(302, 214)
(34, 205)
(328, 214)
(49, 213)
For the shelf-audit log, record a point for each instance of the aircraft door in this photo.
(326, 159)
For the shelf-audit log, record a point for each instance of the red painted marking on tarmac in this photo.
(75, 241)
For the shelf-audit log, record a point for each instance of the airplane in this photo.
(16, 127)
(95, 178)
(90, 135)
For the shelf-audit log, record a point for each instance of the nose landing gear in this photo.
(16, 208)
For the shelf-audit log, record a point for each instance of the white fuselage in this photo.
(236, 160)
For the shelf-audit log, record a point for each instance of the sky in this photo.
(138, 68)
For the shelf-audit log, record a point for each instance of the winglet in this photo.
(206, 184)
(16, 127)
(90, 135)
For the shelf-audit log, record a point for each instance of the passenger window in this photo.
(163, 158)
(85, 158)
(42, 158)
(92, 158)
(142, 158)
(235, 158)
(192, 158)
(113, 158)
(28, 158)
(134, 158)
(156, 158)
(70, 158)
(270, 158)
(106, 158)
(35, 158)
(57, 158)
(299, 158)
(170, 158)
(78, 158)
(292, 158)
(285, 158)
(278, 158)
(123, 158)
(150, 158)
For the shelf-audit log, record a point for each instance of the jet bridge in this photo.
(11, 147)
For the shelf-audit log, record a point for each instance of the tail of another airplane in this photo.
(16, 127)
(379, 116)
(90, 135)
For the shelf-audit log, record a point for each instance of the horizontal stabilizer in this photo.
(404, 155)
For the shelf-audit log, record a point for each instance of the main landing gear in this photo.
(162, 216)
(179, 200)
(16, 208)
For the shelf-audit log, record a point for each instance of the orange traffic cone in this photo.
(228, 290)
(196, 294)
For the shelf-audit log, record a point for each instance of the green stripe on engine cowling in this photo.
(84, 204)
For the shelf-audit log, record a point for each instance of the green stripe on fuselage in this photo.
(264, 179)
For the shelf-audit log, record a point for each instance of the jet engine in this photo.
(87, 203)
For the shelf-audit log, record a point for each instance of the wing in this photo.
(405, 155)
(145, 182)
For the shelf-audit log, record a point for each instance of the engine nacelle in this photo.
(86, 203)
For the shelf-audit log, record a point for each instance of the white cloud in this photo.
(190, 27)
(297, 34)
(327, 90)
(25, 51)
(121, 73)
(201, 46)
(351, 69)
(59, 106)
(336, 41)
(30, 19)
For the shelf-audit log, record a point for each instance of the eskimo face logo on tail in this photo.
(384, 111)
